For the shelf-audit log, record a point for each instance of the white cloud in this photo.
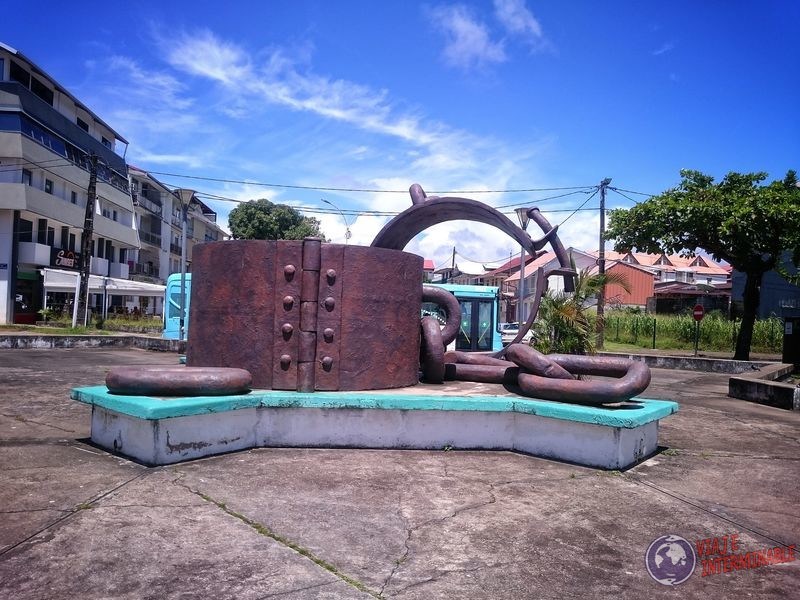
(342, 131)
(664, 48)
(468, 42)
(276, 79)
(518, 20)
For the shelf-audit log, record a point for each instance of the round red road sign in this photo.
(698, 312)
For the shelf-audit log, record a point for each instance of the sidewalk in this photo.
(310, 523)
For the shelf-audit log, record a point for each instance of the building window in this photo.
(109, 251)
(71, 245)
(27, 177)
(41, 90)
(41, 231)
(123, 255)
(64, 237)
(20, 75)
(73, 197)
(51, 236)
(101, 246)
(106, 142)
(48, 186)
(113, 215)
(82, 124)
(25, 230)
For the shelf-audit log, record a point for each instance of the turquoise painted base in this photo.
(634, 413)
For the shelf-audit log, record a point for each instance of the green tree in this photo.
(739, 220)
(564, 324)
(263, 220)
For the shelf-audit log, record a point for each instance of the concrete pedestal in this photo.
(159, 431)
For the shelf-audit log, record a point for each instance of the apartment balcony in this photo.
(147, 203)
(119, 270)
(148, 269)
(31, 253)
(99, 266)
(175, 249)
(154, 239)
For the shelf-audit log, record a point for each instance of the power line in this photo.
(579, 208)
(365, 190)
(631, 191)
(483, 262)
(539, 200)
(624, 196)
(26, 163)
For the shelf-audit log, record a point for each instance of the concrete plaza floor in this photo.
(79, 522)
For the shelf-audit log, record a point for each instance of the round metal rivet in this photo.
(327, 334)
(286, 360)
(329, 303)
(288, 302)
(331, 276)
(289, 271)
(287, 329)
(327, 363)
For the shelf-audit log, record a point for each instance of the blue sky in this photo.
(377, 95)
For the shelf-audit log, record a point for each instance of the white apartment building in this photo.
(46, 138)
(158, 221)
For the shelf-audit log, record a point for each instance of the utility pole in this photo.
(601, 265)
(82, 301)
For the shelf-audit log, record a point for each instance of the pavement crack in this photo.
(445, 572)
(76, 509)
(33, 510)
(262, 529)
(410, 530)
(707, 510)
(22, 419)
(406, 544)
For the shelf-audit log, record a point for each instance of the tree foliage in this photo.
(263, 220)
(740, 220)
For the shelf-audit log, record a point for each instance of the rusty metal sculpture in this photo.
(527, 371)
(306, 316)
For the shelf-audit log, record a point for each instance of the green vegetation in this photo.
(564, 325)
(738, 220)
(677, 332)
(263, 220)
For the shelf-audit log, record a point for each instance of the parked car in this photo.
(509, 331)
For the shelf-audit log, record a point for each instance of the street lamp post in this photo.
(347, 233)
(524, 219)
(185, 197)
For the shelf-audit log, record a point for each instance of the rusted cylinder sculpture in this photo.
(305, 315)
(178, 381)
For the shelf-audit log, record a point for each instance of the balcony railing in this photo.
(147, 204)
(175, 248)
(150, 238)
(149, 269)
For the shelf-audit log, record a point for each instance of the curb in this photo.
(23, 342)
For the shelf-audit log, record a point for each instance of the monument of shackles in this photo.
(310, 344)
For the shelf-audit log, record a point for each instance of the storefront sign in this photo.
(65, 259)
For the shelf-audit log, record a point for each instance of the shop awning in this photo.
(56, 280)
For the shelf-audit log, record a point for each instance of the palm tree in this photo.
(564, 325)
